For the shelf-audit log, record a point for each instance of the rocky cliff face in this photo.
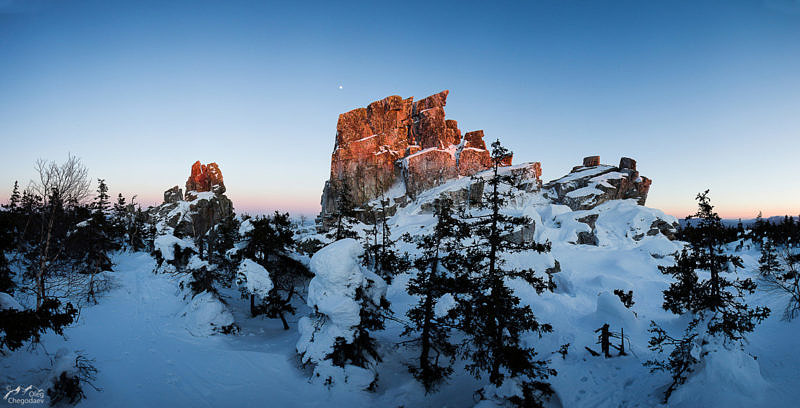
(592, 184)
(204, 204)
(400, 147)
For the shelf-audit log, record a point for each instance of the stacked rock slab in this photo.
(592, 184)
(400, 145)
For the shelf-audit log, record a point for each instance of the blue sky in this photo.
(703, 94)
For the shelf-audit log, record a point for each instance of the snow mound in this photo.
(8, 302)
(254, 278)
(205, 315)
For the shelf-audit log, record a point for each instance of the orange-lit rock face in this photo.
(396, 140)
(205, 178)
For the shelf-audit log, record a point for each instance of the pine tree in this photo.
(380, 253)
(345, 213)
(363, 350)
(493, 319)
(98, 238)
(780, 273)
(768, 262)
(439, 258)
(269, 244)
(717, 301)
(14, 200)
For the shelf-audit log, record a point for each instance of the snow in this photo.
(8, 302)
(166, 245)
(331, 293)
(156, 346)
(245, 227)
(205, 315)
(254, 278)
(444, 304)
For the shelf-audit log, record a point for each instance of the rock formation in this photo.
(400, 145)
(205, 178)
(203, 205)
(592, 184)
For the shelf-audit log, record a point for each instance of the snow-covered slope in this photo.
(145, 339)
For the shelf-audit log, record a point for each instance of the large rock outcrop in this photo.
(592, 184)
(400, 147)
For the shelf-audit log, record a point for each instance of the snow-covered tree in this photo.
(716, 305)
(494, 321)
(349, 304)
(269, 242)
(433, 317)
(381, 253)
(780, 272)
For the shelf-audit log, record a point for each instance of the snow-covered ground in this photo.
(143, 338)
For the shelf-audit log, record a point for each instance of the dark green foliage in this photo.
(768, 262)
(439, 258)
(309, 246)
(96, 240)
(363, 351)
(625, 298)
(269, 244)
(68, 386)
(344, 216)
(216, 244)
(718, 301)
(380, 254)
(20, 326)
(780, 272)
(494, 321)
(680, 362)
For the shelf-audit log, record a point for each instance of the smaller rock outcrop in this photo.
(592, 184)
(203, 205)
(173, 195)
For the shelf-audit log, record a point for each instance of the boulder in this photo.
(173, 195)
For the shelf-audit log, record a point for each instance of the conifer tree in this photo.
(768, 262)
(380, 251)
(718, 301)
(780, 272)
(434, 281)
(494, 321)
(344, 216)
(363, 350)
(269, 243)
(99, 239)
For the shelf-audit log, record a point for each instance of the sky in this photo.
(703, 94)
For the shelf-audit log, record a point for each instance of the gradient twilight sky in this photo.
(704, 94)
